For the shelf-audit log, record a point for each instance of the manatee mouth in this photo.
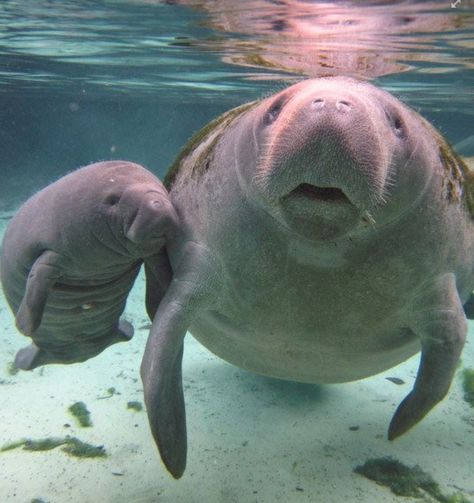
(326, 194)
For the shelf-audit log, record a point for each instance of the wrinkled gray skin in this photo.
(71, 254)
(323, 239)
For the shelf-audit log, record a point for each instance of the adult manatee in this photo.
(326, 235)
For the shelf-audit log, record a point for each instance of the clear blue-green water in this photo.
(82, 81)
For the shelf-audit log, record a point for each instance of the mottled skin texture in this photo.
(325, 237)
(72, 252)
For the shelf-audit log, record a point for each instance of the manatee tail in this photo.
(33, 356)
(29, 358)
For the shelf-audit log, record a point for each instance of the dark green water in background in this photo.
(82, 81)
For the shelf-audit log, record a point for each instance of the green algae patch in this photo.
(110, 393)
(12, 445)
(82, 415)
(211, 133)
(44, 444)
(12, 369)
(468, 385)
(401, 479)
(136, 406)
(79, 449)
(71, 445)
(404, 480)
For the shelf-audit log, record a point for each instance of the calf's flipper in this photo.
(41, 278)
(442, 326)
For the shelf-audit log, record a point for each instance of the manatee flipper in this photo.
(192, 289)
(158, 275)
(162, 381)
(442, 326)
(41, 278)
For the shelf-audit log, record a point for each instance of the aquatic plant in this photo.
(79, 449)
(404, 480)
(12, 369)
(110, 393)
(45, 444)
(136, 406)
(72, 446)
(468, 385)
(80, 412)
(12, 445)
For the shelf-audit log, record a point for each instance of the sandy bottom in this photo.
(251, 439)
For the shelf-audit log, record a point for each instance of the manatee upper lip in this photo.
(319, 193)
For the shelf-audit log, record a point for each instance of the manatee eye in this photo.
(274, 111)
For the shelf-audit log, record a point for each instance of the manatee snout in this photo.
(329, 139)
(149, 219)
(328, 154)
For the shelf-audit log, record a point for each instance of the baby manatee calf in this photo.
(72, 252)
(326, 234)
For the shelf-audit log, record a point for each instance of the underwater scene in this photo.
(258, 287)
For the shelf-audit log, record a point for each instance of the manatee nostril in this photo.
(317, 104)
(112, 199)
(343, 106)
